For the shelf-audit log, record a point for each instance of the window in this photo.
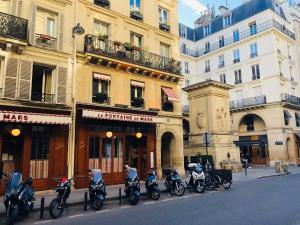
(291, 73)
(136, 40)
(255, 72)
(236, 56)
(187, 83)
(186, 68)
(221, 61)
(165, 53)
(41, 87)
(252, 28)
(226, 21)
(221, 41)
(207, 47)
(183, 31)
(253, 50)
(223, 78)
(163, 16)
(288, 51)
(249, 123)
(297, 117)
(135, 5)
(280, 72)
(206, 30)
(101, 30)
(207, 66)
(46, 23)
(137, 94)
(166, 103)
(183, 48)
(237, 76)
(101, 88)
(236, 36)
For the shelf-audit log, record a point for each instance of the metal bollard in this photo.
(246, 165)
(85, 201)
(120, 197)
(42, 208)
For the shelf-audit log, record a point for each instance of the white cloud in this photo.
(195, 5)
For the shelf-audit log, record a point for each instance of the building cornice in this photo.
(206, 84)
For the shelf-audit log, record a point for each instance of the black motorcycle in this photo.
(58, 204)
(97, 190)
(212, 181)
(132, 186)
(151, 185)
(19, 197)
(173, 182)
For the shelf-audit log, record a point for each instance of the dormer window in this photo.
(206, 30)
(226, 21)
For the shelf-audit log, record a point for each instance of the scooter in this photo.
(132, 186)
(197, 178)
(173, 182)
(58, 204)
(19, 197)
(151, 185)
(97, 189)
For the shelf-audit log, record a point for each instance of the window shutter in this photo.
(11, 78)
(61, 31)
(25, 80)
(32, 24)
(62, 85)
(19, 10)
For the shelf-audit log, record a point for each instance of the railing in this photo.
(117, 50)
(101, 99)
(42, 97)
(167, 106)
(253, 55)
(13, 27)
(102, 3)
(290, 99)
(242, 35)
(137, 103)
(45, 41)
(246, 102)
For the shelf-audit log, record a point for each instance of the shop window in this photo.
(106, 155)
(118, 155)
(101, 88)
(39, 162)
(137, 94)
(94, 153)
(41, 87)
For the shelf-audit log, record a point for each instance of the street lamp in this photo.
(77, 30)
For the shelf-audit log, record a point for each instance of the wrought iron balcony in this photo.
(248, 102)
(290, 100)
(102, 3)
(45, 41)
(42, 97)
(137, 15)
(137, 103)
(123, 52)
(167, 106)
(13, 27)
(101, 98)
(271, 24)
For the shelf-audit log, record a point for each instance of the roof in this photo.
(238, 14)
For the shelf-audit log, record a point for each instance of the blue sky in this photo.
(190, 10)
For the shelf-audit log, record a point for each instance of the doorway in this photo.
(167, 144)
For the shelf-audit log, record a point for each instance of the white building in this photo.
(255, 48)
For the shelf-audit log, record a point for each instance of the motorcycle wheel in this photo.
(227, 184)
(54, 209)
(155, 194)
(179, 190)
(200, 186)
(11, 215)
(217, 181)
(97, 204)
(133, 199)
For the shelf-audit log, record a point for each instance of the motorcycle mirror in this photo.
(29, 181)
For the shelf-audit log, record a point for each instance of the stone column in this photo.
(209, 112)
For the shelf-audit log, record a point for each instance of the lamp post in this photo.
(77, 30)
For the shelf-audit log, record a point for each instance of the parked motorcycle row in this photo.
(20, 196)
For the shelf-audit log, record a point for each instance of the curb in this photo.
(274, 175)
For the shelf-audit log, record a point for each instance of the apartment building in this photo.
(254, 48)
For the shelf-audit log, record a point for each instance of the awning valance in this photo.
(248, 143)
(137, 83)
(101, 76)
(170, 93)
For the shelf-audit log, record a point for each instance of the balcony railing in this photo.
(45, 41)
(290, 99)
(42, 97)
(119, 51)
(167, 106)
(13, 27)
(101, 98)
(102, 3)
(248, 102)
(242, 35)
(137, 103)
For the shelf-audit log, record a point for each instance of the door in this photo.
(258, 155)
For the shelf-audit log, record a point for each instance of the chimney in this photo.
(223, 10)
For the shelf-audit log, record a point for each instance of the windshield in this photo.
(15, 180)
(97, 175)
(132, 173)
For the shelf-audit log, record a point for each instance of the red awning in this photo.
(137, 84)
(171, 94)
(101, 76)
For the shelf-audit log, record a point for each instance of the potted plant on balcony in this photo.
(103, 37)
(45, 37)
(100, 97)
(117, 43)
(138, 102)
(135, 48)
(128, 46)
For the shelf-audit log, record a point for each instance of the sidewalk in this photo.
(77, 196)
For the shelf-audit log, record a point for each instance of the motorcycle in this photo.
(19, 197)
(151, 185)
(132, 186)
(58, 204)
(173, 182)
(197, 178)
(97, 190)
(212, 181)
